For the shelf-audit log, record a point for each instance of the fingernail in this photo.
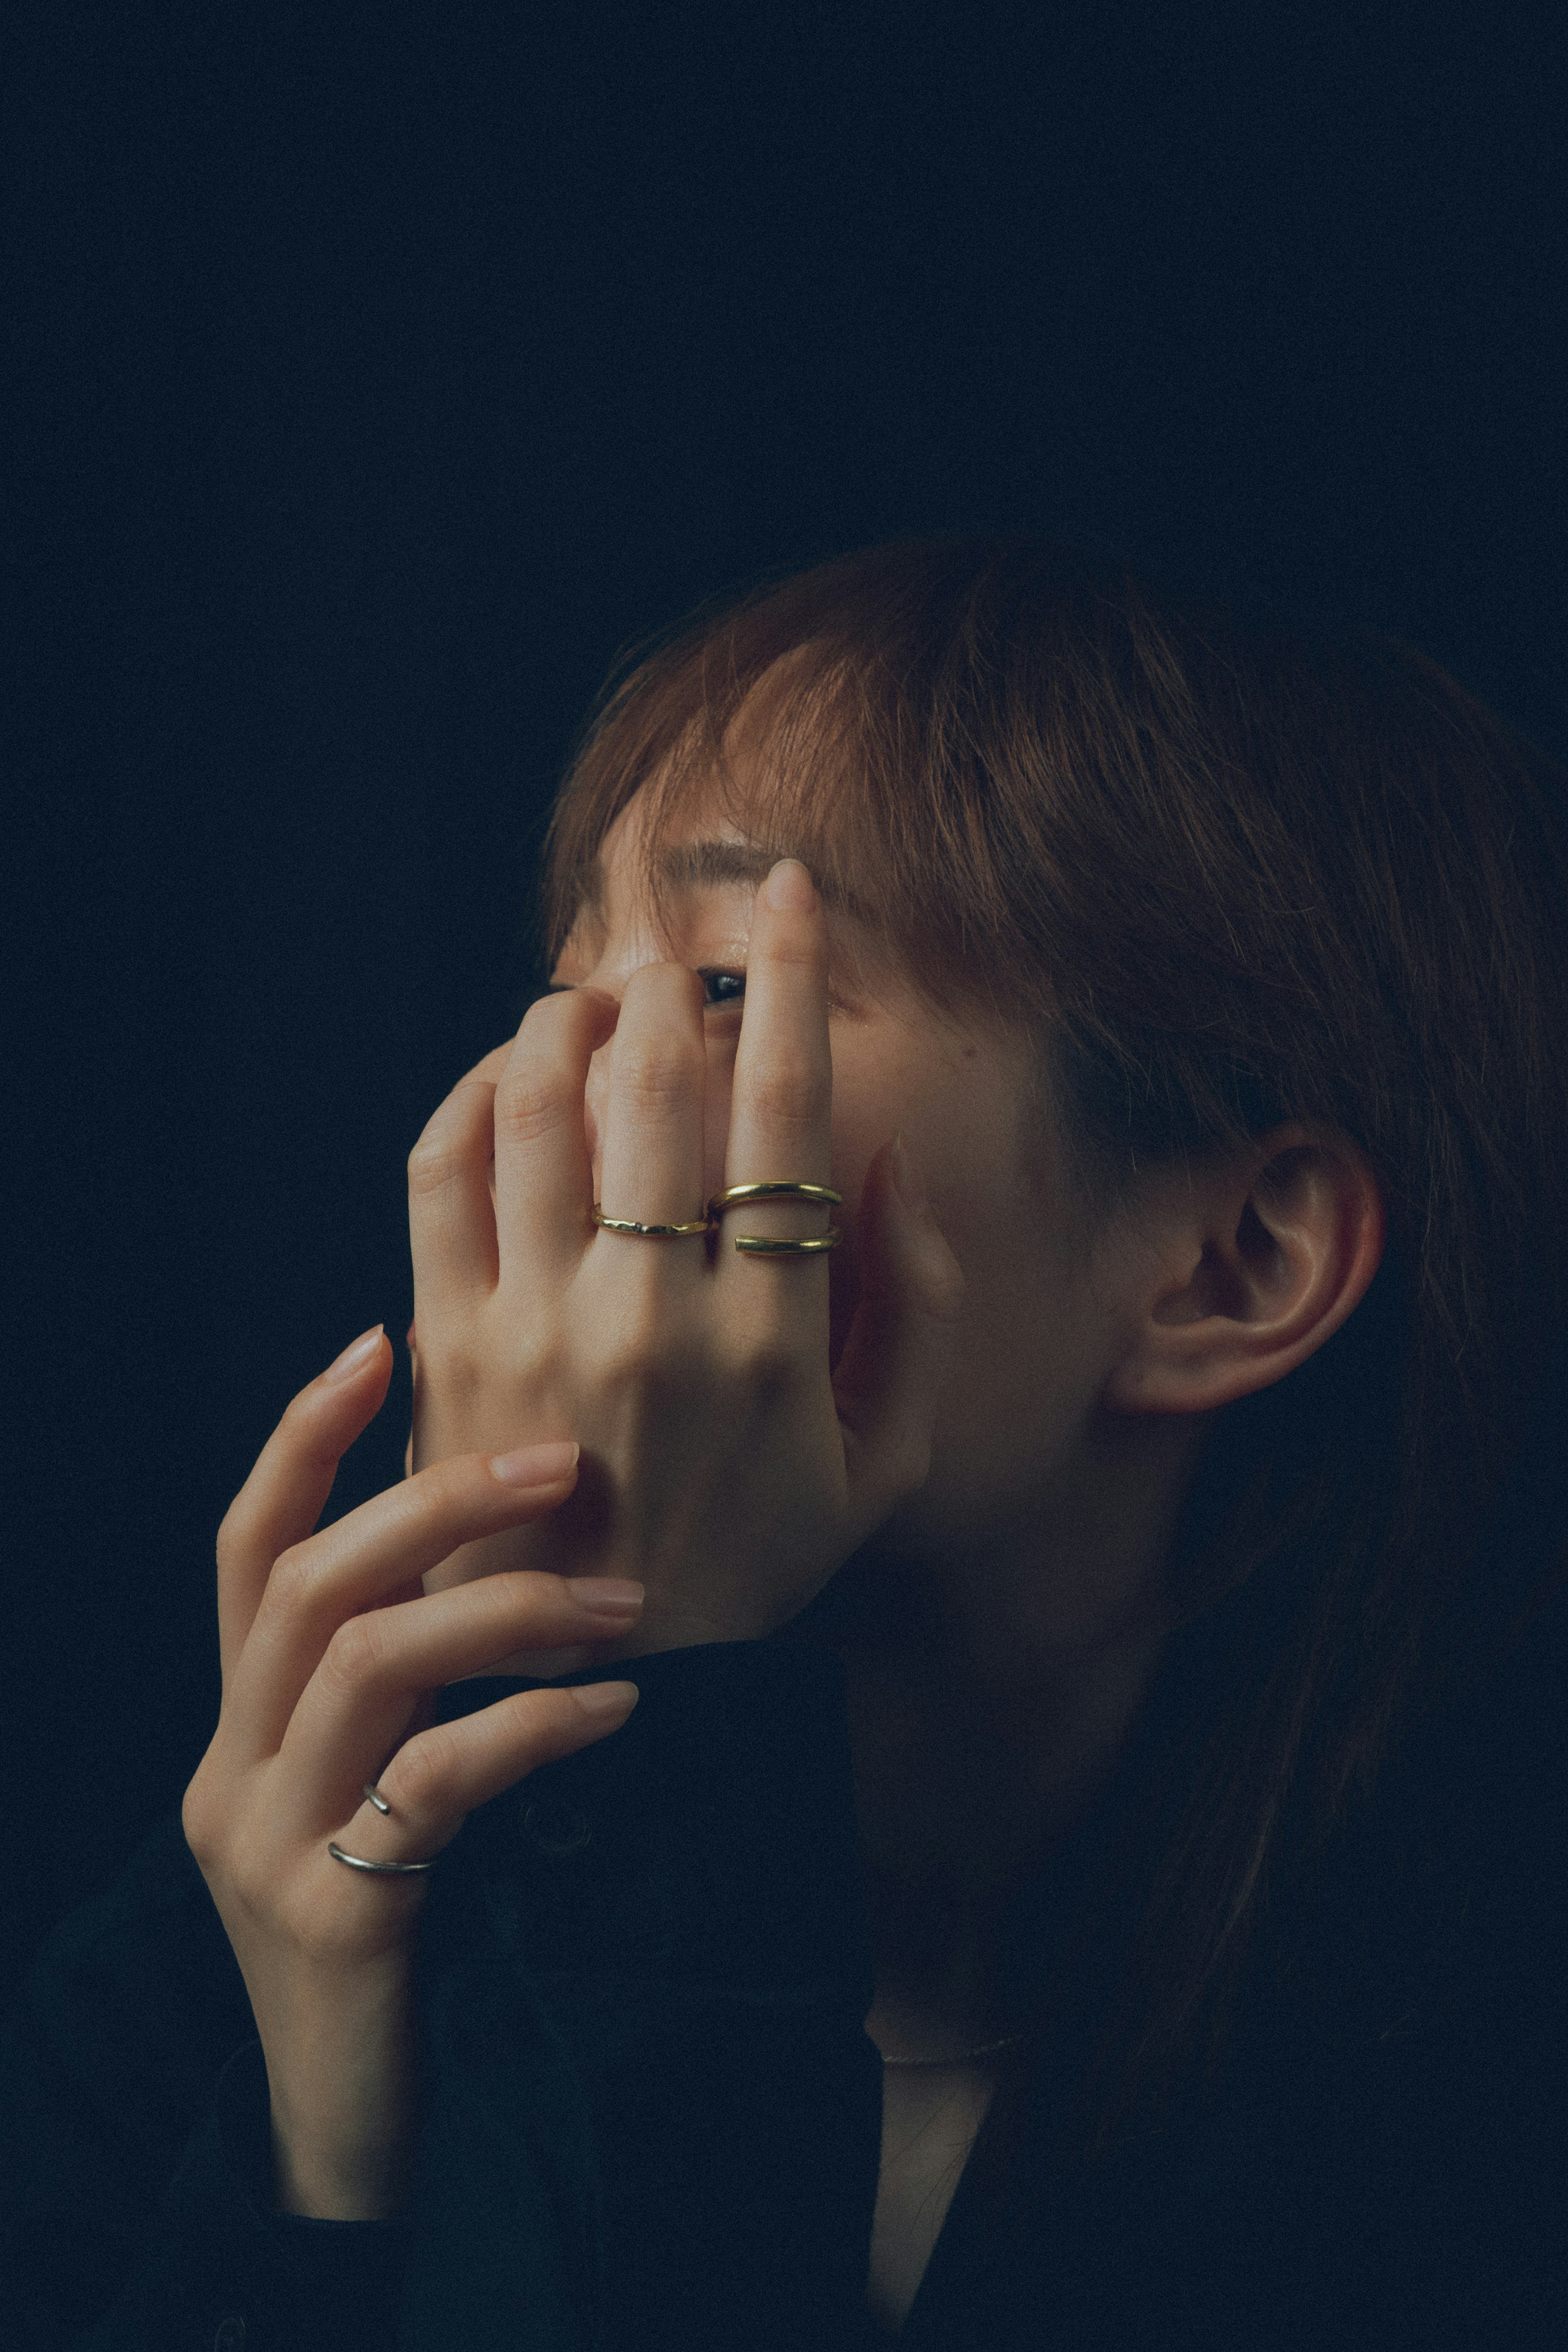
(906, 1178)
(354, 1358)
(788, 885)
(605, 1698)
(618, 1594)
(535, 1465)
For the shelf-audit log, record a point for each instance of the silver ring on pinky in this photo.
(382, 1869)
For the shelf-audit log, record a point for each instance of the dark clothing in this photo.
(652, 2115)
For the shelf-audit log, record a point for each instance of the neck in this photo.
(991, 1689)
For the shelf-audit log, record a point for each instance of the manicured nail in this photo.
(906, 1177)
(605, 1698)
(354, 1358)
(535, 1465)
(788, 885)
(616, 1595)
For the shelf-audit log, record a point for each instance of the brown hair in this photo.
(1226, 874)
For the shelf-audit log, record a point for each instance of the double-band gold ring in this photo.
(754, 1244)
(781, 1189)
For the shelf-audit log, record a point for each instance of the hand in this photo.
(724, 1466)
(331, 1654)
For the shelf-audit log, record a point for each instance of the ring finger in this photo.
(651, 1169)
(359, 1701)
(780, 1125)
(440, 1773)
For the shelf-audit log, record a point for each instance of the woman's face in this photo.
(1037, 1336)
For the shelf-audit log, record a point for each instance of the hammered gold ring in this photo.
(783, 1189)
(649, 1232)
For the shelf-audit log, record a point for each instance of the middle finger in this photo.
(780, 1120)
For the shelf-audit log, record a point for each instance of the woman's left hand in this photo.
(723, 1465)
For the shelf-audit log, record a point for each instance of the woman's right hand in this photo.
(332, 1653)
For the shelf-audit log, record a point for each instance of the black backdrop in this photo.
(377, 374)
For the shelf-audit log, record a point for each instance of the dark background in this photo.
(377, 375)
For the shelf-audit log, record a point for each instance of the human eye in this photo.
(721, 986)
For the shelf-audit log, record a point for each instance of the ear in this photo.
(1243, 1267)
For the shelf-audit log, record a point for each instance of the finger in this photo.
(889, 1375)
(358, 1701)
(651, 1160)
(780, 1122)
(367, 1557)
(436, 1779)
(451, 1218)
(287, 1492)
(544, 1178)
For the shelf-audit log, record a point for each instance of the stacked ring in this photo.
(381, 1869)
(783, 1189)
(756, 1244)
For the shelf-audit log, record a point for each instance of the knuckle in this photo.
(534, 1101)
(788, 1091)
(797, 947)
(770, 1362)
(297, 1576)
(358, 1653)
(658, 1076)
(765, 1365)
(198, 1820)
(634, 1356)
(423, 1772)
(435, 1162)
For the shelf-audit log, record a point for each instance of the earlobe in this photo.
(1249, 1266)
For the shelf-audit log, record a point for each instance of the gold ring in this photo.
(763, 1244)
(783, 1191)
(652, 1232)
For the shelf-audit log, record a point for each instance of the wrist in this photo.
(345, 2116)
(347, 2161)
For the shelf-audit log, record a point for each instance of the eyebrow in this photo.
(697, 865)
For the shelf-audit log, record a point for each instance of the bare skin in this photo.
(1002, 1623)
(955, 1449)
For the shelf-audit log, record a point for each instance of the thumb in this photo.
(911, 1290)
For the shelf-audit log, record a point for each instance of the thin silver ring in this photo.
(382, 1869)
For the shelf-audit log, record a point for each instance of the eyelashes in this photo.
(722, 985)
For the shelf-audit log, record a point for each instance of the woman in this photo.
(1025, 1902)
